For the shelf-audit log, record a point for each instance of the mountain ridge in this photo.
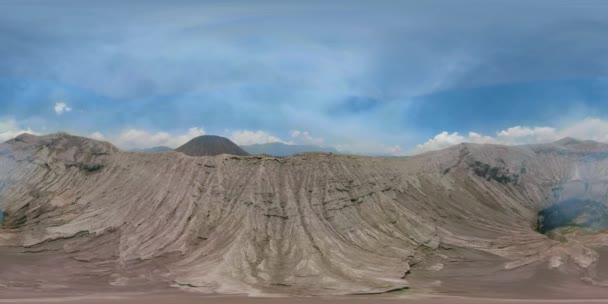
(307, 224)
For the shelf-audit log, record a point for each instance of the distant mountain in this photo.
(153, 149)
(281, 149)
(210, 145)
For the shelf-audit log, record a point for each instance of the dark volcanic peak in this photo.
(210, 145)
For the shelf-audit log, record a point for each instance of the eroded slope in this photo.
(308, 224)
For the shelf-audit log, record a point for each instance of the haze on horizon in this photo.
(381, 77)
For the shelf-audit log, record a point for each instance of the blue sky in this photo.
(371, 77)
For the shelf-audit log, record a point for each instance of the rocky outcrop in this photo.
(307, 224)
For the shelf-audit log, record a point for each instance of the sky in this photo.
(366, 77)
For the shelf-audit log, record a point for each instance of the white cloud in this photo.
(246, 137)
(371, 148)
(394, 150)
(445, 139)
(440, 141)
(9, 129)
(135, 138)
(590, 128)
(97, 136)
(298, 137)
(61, 107)
(522, 135)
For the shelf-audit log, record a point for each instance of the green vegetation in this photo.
(498, 174)
(89, 168)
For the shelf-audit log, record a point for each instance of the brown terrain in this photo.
(84, 222)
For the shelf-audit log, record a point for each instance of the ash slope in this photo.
(307, 224)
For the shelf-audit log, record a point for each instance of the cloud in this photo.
(61, 107)
(371, 148)
(523, 135)
(298, 137)
(10, 129)
(589, 128)
(140, 138)
(135, 138)
(353, 77)
(246, 137)
(445, 139)
(97, 136)
(395, 150)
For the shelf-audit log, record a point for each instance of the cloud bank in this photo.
(61, 107)
(10, 129)
(587, 129)
(374, 77)
(590, 128)
(140, 139)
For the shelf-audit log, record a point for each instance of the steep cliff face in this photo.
(312, 223)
